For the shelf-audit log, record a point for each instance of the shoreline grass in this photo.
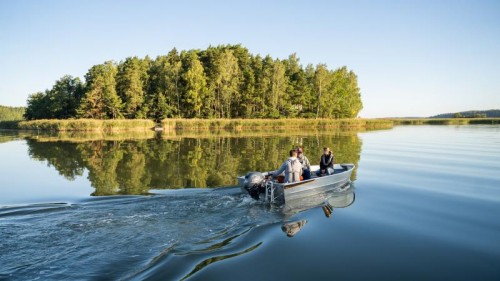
(87, 125)
(269, 124)
(232, 125)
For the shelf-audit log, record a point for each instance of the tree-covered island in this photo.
(226, 81)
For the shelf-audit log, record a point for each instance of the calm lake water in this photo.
(424, 205)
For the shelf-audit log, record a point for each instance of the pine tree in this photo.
(195, 86)
(264, 86)
(243, 106)
(227, 82)
(279, 101)
(321, 80)
(297, 86)
(131, 82)
(159, 103)
(100, 100)
(173, 76)
(309, 92)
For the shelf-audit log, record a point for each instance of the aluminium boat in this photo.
(263, 186)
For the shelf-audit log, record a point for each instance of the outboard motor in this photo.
(255, 184)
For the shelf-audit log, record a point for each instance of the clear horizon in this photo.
(412, 58)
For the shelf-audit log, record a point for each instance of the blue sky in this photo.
(413, 58)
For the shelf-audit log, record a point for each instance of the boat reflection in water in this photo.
(340, 197)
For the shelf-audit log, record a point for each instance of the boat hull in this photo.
(336, 198)
(318, 184)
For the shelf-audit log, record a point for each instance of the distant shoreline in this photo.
(445, 121)
(127, 125)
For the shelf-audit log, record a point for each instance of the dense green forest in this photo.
(9, 113)
(219, 82)
(471, 114)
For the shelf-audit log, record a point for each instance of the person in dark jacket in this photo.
(326, 162)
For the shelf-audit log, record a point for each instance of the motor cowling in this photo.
(254, 183)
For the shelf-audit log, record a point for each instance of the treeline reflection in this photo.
(131, 167)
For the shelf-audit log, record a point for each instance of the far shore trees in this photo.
(11, 113)
(225, 81)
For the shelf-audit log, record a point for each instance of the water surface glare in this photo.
(424, 205)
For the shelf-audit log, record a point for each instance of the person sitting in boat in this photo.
(291, 167)
(326, 162)
(306, 165)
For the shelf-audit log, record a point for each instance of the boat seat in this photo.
(335, 171)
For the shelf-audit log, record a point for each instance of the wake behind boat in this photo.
(259, 184)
